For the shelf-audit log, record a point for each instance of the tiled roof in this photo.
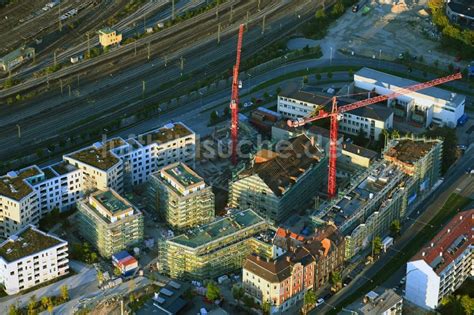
(449, 243)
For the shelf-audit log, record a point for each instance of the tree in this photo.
(450, 67)
(278, 90)
(395, 228)
(50, 308)
(266, 308)
(350, 72)
(436, 63)
(13, 310)
(309, 300)
(45, 301)
(266, 95)
(64, 293)
(248, 301)
(337, 9)
(213, 292)
(100, 276)
(336, 279)
(117, 271)
(457, 304)
(213, 117)
(329, 75)
(377, 246)
(226, 111)
(32, 305)
(320, 14)
(317, 76)
(238, 292)
(305, 79)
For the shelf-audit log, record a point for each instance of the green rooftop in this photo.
(28, 242)
(218, 229)
(165, 134)
(15, 187)
(99, 158)
(106, 30)
(111, 203)
(63, 168)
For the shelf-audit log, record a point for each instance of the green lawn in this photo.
(450, 208)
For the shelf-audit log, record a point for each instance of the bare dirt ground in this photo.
(390, 28)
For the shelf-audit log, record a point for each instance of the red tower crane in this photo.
(234, 101)
(335, 116)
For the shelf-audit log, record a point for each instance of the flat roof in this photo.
(222, 227)
(111, 202)
(449, 243)
(182, 176)
(99, 158)
(379, 301)
(63, 168)
(27, 242)
(169, 132)
(355, 149)
(390, 81)
(14, 186)
(308, 97)
(16, 53)
(106, 30)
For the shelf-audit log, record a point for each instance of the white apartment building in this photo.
(371, 120)
(440, 267)
(101, 169)
(432, 105)
(28, 194)
(149, 152)
(298, 104)
(30, 258)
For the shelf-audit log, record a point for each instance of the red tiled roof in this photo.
(450, 242)
(130, 260)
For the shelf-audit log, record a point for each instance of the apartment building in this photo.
(389, 190)
(380, 301)
(298, 104)
(31, 257)
(427, 106)
(442, 265)
(281, 181)
(282, 281)
(149, 152)
(101, 168)
(358, 155)
(213, 249)
(181, 196)
(109, 37)
(369, 121)
(110, 222)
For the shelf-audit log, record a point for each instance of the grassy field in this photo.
(449, 209)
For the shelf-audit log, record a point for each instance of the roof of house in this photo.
(279, 269)
(376, 111)
(100, 158)
(391, 81)
(355, 149)
(449, 243)
(377, 302)
(26, 242)
(283, 170)
(307, 97)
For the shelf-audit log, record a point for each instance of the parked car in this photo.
(248, 104)
(355, 8)
(319, 302)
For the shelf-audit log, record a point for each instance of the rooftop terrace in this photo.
(165, 134)
(27, 242)
(220, 228)
(111, 202)
(182, 177)
(13, 185)
(100, 158)
(63, 168)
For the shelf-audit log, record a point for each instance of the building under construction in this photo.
(278, 183)
(388, 191)
(213, 249)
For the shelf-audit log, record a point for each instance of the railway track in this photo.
(114, 104)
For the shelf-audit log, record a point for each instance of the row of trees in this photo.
(453, 36)
(47, 303)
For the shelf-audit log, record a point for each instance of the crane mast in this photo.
(336, 113)
(234, 101)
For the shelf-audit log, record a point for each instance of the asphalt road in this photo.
(456, 181)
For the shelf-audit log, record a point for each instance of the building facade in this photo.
(369, 121)
(31, 257)
(443, 264)
(278, 184)
(181, 196)
(432, 105)
(16, 57)
(109, 222)
(213, 249)
(109, 37)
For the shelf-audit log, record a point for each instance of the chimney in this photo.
(449, 230)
